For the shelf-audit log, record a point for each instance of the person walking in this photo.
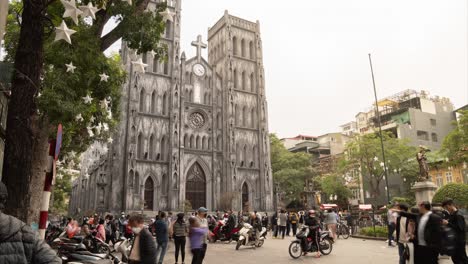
(162, 237)
(282, 222)
(143, 248)
(293, 218)
(18, 242)
(288, 223)
(101, 230)
(391, 216)
(179, 232)
(202, 211)
(457, 223)
(401, 228)
(111, 229)
(331, 221)
(196, 234)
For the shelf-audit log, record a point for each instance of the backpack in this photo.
(108, 229)
(448, 241)
(294, 218)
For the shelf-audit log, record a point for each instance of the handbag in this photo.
(406, 253)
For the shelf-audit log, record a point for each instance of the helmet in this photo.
(311, 212)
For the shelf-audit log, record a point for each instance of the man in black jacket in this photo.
(457, 223)
(428, 234)
(401, 229)
(19, 244)
(144, 247)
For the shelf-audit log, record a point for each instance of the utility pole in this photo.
(380, 131)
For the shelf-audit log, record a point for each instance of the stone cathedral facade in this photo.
(191, 129)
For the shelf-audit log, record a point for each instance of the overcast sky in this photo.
(315, 53)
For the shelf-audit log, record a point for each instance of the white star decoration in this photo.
(98, 129)
(89, 10)
(139, 66)
(110, 140)
(153, 53)
(72, 154)
(105, 127)
(90, 132)
(167, 15)
(104, 104)
(104, 77)
(70, 67)
(79, 118)
(63, 32)
(87, 99)
(71, 10)
(92, 119)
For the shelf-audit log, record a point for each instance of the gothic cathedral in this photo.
(192, 132)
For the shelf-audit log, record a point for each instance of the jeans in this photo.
(179, 243)
(161, 247)
(288, 228)
(401, 250)
(282, 231)
(294, 229)
(197, 253)
(275, 230)
(202, 255)
(459, 256)
(391, 229)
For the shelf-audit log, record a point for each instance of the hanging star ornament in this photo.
(87, 99)
(92, 119)
(79, 118)
(71, 10)
(63, 32)
(139, 66)
(90, 132)
(167, 15)
(105, 127)
(89, 10)
(104, 77)
(110, 140)
(104, 104)
(70, 67)
(153, 53)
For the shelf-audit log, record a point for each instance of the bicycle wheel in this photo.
(344, 231)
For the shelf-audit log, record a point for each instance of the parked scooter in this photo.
(78, 253)
(250, 237)
(305, 244)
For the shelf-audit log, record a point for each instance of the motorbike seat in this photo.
(78, 239)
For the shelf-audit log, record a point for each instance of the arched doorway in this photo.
(195, 187)
(245, 197)
(149, 194)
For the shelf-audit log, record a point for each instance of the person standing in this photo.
(288, 223)
(144, 248)
(202, 211)
(274, 225)
(265, 220)
(401, 228)
(101, 230)
(122, 223)
(179, 232)
(331, 221)
(18, 242)
(161, 237)
(294, 219)
(111, 229)
(282, 222)
(457, 223)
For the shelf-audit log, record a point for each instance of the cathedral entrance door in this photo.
(195, 188)
(149, 193)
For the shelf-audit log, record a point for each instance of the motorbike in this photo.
(220, 232)
(250, 237)
(304, 244)
(75, 251)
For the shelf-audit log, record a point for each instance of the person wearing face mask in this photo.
(18, 242)
(201, 216)
(144, 247)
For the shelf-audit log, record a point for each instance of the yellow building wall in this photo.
(442, 176)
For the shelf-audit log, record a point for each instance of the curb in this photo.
(369, 238)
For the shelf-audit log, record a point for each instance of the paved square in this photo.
(352, 251)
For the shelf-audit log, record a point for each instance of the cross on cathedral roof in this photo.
(199, 44)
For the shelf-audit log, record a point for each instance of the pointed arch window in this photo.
(186, 141)
(244, 116)
(144, 57)
(244, 81)
(190, 99)
(234, 76)
(236, 122)
(155, 64)
(153, 102)
(140, 146)
(148, 195)
(164, 150)
(164, 185)
(136, 181)
(198, 145)
(244, 156)
(209, 143)
(151, 147)
(251, 50)
(252, 83)
(166, 68)
(219, 143)
(218, 121)
(142, 100)
(204, 143)
(192, 141)
(245, 197)
(131, 174)
(254, 157)
(243, 48)
(168, 28)
(234, 45)
(253, 118)
(164, 104)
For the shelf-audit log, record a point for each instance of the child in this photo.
(196, 234)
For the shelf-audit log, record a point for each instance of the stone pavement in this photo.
(352, 251)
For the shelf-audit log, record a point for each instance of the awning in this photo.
(328, 206)
(365, 207)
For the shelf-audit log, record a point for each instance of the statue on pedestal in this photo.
(422, 161)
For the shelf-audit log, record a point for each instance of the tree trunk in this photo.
(26, 134)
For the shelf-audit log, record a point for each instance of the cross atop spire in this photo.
(199, 44)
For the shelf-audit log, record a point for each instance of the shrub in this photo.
(380, 231)
(457, 191)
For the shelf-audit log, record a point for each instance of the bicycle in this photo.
(343, 230)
